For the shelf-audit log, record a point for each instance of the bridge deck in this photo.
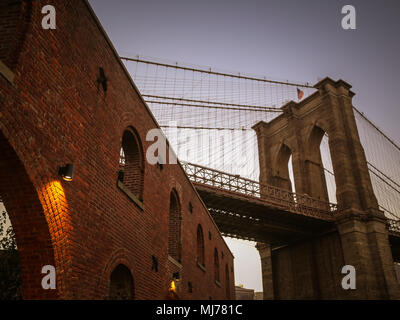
(243, 217)
(245, 209)
(269, 195)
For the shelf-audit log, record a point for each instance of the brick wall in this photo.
(14, 22)
(55, 113)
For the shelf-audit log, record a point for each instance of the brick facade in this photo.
(54, 113)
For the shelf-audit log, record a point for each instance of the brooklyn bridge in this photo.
(294, 167)
(275, 166)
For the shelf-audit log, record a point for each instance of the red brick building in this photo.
(108, 233)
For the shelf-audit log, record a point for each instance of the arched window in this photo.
(284, 174)
(227, 283)
(174, 233)
(121, 284)
(200, 245)
(328, 168)
(216, 265)
(320, 167)
(131, 163)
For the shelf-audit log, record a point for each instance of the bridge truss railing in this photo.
(393, 225)
(294, 202)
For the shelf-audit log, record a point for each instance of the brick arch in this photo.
(134, 165)
(121, 284)
(123, 122)
(15, 20)
(28, 219)
(175, 227)
(175, 186)
(200, 245)
(118, 257)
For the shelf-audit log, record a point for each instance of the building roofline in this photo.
(103, 32)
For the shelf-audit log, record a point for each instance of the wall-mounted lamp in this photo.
(67, 172)
(172, 289)
(176, 276)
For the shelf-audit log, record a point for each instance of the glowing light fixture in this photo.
(67, 172)
(172, 286)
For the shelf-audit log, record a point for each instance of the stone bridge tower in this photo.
(358, 236)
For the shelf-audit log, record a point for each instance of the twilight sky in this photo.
(297, 40)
